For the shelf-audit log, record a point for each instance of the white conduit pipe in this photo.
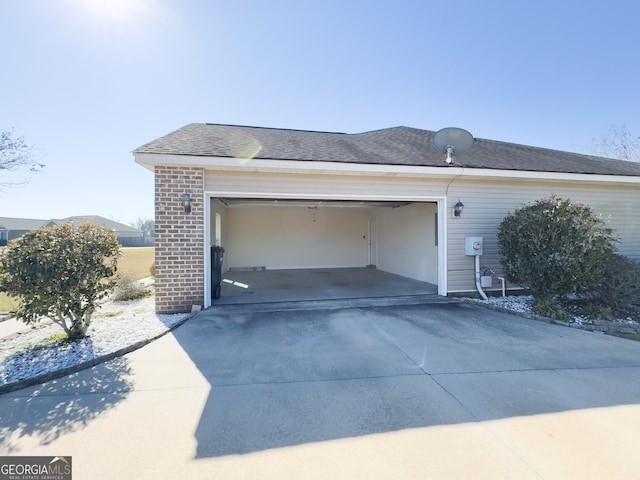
(503, 282)
(480, 291)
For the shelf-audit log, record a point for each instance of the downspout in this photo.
(478, 286)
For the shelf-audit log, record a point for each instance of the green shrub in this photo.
(592, 309)
(128, 289)
(555, 247)
(60, 272)
(152, 269)
(619, 289)
(551, 308)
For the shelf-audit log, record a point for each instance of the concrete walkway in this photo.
(11, 326)
(435, 390)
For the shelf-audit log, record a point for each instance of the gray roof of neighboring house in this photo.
(102, 222)
(21, 224)
(390, 146)
(28, 224)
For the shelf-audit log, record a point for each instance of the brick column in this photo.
(179, 239)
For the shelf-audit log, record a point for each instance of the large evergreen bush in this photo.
(619, 289)
(555, 247)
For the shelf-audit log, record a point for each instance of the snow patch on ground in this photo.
(115, 326)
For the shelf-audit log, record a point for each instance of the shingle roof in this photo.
(391, 146)
(102, 222)
(27, 224)
(19, 224)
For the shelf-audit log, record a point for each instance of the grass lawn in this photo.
(6, 303)
(134, 263)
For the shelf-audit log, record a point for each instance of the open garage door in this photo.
(284, 249)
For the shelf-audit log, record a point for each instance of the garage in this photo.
(332, 215)
(287, 249)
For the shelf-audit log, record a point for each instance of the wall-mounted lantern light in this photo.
(458, 208)
(186, 202)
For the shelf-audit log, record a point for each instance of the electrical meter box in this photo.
(486, 281)
(473, 246)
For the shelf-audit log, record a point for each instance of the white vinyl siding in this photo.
(358, 187)
(488, 202)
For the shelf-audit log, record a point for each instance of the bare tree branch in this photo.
(618, 143)
(16, 155)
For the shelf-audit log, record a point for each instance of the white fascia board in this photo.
(338, 168)
(144, 161)
(552, 176)
(290, 166)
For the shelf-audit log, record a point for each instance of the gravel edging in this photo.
(55, 374)
(599, 326)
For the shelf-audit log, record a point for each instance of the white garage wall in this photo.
(217, 207)
(407, 241)
(295, 237)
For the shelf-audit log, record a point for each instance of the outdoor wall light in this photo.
(186, 202)
(458, 208)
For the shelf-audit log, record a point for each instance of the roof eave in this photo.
(151, 160)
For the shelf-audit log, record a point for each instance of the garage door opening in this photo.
(289, 249)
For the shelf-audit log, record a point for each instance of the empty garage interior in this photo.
(288, 249)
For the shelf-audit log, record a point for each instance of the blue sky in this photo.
(88, 81)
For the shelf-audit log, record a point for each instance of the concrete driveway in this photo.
(345, 390)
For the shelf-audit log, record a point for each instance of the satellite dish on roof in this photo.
(452, 140)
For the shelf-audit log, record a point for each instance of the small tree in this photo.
(60, 272)
(148, 227)
(555, 247)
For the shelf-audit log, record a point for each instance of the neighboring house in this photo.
(127, 236)
(11, 228)
(280, 198)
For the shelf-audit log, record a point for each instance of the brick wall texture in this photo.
(179, 239)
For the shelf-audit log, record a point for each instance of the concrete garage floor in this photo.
(244, 287)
